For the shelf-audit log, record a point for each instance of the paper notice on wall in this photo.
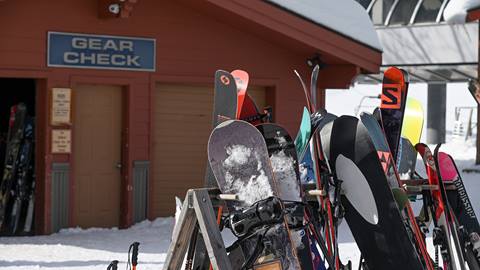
(61, 106)
(61, 141)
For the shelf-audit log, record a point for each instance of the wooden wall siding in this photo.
(191, 45)
(183, 122)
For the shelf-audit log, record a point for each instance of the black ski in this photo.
(14, 140)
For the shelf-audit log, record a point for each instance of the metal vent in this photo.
(140, 189)
(60, 195)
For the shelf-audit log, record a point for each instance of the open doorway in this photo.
(17, 155)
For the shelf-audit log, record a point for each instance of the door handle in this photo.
(119, 165)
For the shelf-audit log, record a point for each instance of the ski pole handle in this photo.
(135, 254)
(113, 265)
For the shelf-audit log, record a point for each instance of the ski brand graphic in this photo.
(464, 198)
(356, 188)
(225, 80)
(391, 96)
(384, 158)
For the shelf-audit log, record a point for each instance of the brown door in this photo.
(97, 152)
(183, 121)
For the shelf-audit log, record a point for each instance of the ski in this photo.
(14, 140)
(321, 173)
(24, 171)
(444, 235)
(462, 208)
(412, 126)
(392, 107)
(241, 79)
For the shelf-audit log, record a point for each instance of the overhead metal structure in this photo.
(414, 36)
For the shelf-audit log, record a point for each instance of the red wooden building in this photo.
(135, 138)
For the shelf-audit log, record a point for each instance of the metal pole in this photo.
(436, 113)
(477, 161)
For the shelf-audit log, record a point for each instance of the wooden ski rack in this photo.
(416, 186)
(198, 208)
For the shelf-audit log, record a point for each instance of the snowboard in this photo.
(412, 126)
(283, 158)
(14, 140)
(447, 235)
(370, 208)
(461, 206)
(309, 126)
(377, 136)
(392, 107)
(240, 162)
(224, 104)
(304, 132)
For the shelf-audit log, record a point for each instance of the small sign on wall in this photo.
(61, 141)
(100, 51)
(61, 109)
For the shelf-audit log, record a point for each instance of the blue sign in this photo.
(100, 52)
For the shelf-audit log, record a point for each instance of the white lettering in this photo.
(132, 60)
(118, 60)
(110, 44)
(126, 45)
(70, 57)
(103, 59)
(95, 44)
(79, 43)
(84, 58)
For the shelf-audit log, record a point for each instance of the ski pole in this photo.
(113, 265)
(134, 249)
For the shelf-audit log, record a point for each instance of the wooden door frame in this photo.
(126, 170)
(41, 122)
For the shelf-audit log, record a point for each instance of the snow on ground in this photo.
(88, 249)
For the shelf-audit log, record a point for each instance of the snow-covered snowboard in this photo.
(283, 158)
(240, 162)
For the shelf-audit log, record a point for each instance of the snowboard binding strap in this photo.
(268, 211)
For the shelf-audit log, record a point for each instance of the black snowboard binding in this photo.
(265, 212)
(475, 242)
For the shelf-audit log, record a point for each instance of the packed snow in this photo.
(245, 174)
(283, 167)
